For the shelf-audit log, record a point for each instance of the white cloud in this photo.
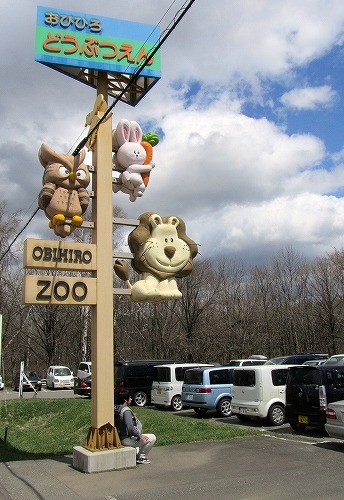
(311, 223)
(309, 98)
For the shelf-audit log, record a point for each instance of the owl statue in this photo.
(64, 195)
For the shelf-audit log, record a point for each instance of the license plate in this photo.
(189, 397)
(158, 391)
(243, 410)
(302, 419)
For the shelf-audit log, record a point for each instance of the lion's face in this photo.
(161, 247)
(165, 251)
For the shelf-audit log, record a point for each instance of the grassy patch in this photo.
(33, 428)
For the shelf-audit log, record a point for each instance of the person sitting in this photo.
(129, 429)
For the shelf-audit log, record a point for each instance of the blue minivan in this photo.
(208, 389)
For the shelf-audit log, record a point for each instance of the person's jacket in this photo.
(125, 423)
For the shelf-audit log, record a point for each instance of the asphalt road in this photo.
(8, 394)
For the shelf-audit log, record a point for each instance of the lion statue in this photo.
(162, 252)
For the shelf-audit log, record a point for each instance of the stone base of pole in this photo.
(101, 461)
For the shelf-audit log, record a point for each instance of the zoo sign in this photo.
(60, 256)
(68, 41)
(57, 290)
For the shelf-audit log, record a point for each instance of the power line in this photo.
(20, 232)
(183, 10)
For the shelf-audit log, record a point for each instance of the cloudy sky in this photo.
(249, 109)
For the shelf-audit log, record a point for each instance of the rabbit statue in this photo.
(64, 193)
(130, 159)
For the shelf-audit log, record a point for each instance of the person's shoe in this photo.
(142, 460)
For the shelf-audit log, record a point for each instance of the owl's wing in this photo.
(45, 195)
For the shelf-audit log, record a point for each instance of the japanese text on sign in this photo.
(91, 47)
(67, 20)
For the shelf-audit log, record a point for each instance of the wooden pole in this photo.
(102, 313)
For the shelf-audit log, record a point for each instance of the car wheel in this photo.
(276, 414)
(298, 427)
(200, 411)
(176, 403)
(140, 398)
(223, 407)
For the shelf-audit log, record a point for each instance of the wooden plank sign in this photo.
(59, 255)
(59, 290)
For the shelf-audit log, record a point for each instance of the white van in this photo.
(259, 391)
(60, 377)
(167, 384)
(84, 369)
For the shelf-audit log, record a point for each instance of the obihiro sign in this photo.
(69, 42)
(59, 255)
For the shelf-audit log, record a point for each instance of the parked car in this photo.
(208, 389)
(335, 420)
(308, 392)
(296, 359)
(259, 392)
(83, 386)
(60, 377)
(33, 382)
(137, 378)
(314, 362)
(167, 384)
(337, 359)
(84, 369)
(247, 362)
(2, 385)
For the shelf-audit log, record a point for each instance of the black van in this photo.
(309, 390)
(137, 377)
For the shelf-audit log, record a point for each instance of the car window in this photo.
(162, 374)
(221, 377)
(193, 377)
(62, 372)
(234, 363)
(279, 377)
(180, 372)
(335, 378)
(276, 361)
(335, 360)
(119, 371)
(305, 377)
(245, 378)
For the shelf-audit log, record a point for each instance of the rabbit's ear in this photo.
(135, 132)
(121, 134)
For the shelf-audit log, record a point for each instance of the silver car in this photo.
(335, 419)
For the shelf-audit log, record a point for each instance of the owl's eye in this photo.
(64, 172)
(81, 174)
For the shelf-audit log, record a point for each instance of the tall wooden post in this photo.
(102, 313)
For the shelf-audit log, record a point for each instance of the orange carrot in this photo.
(149, 156)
